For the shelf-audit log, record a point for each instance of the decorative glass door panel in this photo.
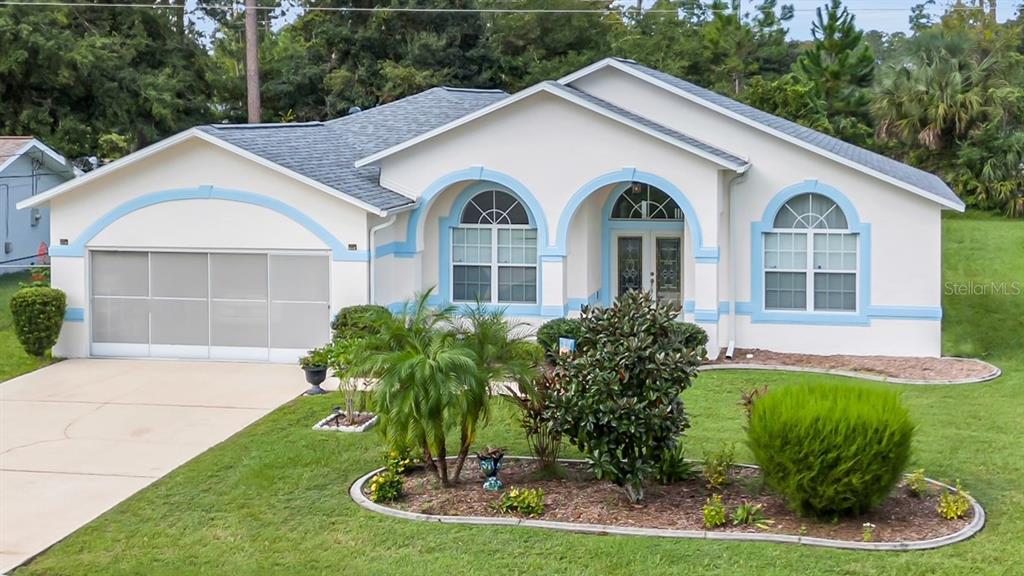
(629, 264)
(650, 261)
(669, 268)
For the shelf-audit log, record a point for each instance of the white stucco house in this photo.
(241, 241)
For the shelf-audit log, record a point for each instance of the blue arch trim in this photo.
(758, 313)
(410, 246)
(339, 251)
(451, 220)
(701, 253)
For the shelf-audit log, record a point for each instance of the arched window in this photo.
(810, 250)
(494, 251)
(645, 202)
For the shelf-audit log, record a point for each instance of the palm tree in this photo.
(942, 91)
(424, 377)
(502, 354)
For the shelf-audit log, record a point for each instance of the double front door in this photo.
(648, 260)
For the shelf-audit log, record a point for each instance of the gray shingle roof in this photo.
(897, 170)
(327, 151)
(736, 161)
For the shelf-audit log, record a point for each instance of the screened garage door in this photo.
(231, 306)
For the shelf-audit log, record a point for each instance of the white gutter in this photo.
(373, 249)
(732, 263)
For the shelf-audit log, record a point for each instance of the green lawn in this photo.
(13, 360)
(272, 500)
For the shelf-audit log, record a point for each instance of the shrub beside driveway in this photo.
(13, 359)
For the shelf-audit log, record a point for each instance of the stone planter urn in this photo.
(315, 376)
(490, 464)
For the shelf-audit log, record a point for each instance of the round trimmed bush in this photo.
(830, 449)
(38, 313)
(549, 333)
(357, 321)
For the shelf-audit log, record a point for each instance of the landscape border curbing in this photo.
(322, 425)
(995, 373)
(973, 527)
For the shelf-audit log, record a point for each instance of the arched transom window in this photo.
(645, 202)
(810, 251)
(494, 251)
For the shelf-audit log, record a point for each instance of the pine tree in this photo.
(839, 62)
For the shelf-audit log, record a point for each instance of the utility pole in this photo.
(252, 62)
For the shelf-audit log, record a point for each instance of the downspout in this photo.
(731, 348)
(373, 251)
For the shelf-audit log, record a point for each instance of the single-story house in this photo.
(27, 168)
(241, 241)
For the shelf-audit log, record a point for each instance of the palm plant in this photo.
(502, 354)
(942, 91)
(424, 377)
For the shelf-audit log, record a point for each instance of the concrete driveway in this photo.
(81, 435)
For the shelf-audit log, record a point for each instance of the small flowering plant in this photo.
(869, 532)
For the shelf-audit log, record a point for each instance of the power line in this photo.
(356, 9)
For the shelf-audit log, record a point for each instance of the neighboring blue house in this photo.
(27, 167)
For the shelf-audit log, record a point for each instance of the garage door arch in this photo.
(339, 252)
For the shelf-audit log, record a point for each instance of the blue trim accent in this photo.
(905, 312)
(757, 312)
(575, 304)
(339, 252)
(705, 316)
(410, 246)
(689, 306)
(625, 176)
(74, 315)
(451, 220)
(552, 311)
(707, 256)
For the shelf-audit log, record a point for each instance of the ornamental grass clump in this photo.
(830, 449)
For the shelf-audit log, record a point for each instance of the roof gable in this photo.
(711, 153)
(897, 173)
(14, 147)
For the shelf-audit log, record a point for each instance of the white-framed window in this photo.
(494, 251)
(810, 258)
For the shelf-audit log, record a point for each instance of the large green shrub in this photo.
(38, 312)
(358, 321)
(549, 333)
(830, 449)
(618, 395)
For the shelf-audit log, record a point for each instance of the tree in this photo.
(502, 354)
(839, 64)
(75, 74)
(618, 397)
(423, 378)
(525, 48)
(736, 45)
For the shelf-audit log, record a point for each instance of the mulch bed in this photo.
(578, 497)
(340, 420)
(928, 369)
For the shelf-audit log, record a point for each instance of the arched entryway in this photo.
(645, 242)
